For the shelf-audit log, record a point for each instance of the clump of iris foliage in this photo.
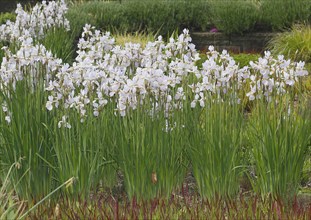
(150, 113)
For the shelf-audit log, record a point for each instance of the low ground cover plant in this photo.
(148, 113)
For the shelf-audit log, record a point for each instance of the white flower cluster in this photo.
(126, 75)
(218, 75)
(43, 16)
(32, 63)
(270, 76)
(161, 72)
(158, 76)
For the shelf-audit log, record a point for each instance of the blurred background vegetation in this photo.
(166, 16)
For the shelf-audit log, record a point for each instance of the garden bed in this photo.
(153, 130)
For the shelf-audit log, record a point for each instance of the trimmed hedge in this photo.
(280, 14)
(234, 16)
(165, 16)
(162, 17)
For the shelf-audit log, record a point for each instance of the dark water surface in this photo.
(10, 5)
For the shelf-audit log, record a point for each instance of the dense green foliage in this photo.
(234, 16)
(276, 140)
(217, 128)
(230, 17)
(61, 43)
(280, 14)
(6, 16)
(243, 59)
(162, 17)
(295, 44)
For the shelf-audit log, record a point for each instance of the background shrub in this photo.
(162, 17)
(236, 16)
(6, 16)
(165, 16)
(280, 14)
(243, 59)
(295, 44)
